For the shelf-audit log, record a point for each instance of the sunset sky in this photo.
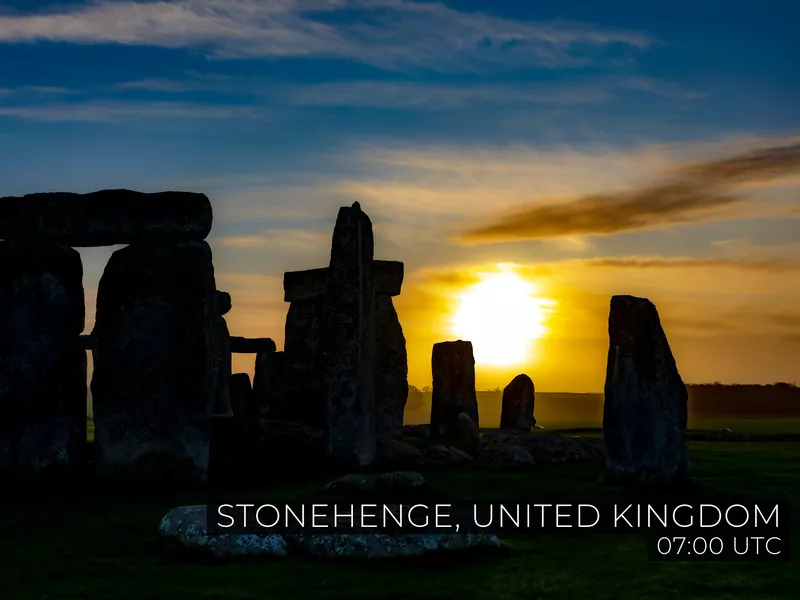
(588, 148)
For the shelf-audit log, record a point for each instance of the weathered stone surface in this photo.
(292, 445)
(518, 402)
(468, 437)
(453, 366)
(186, 527)
(386, 546)
(506, 456)
(349, 341)
(155, 382)
(305, 395)
(243, 345)
(548, 447)
(312, 283)
(645, 411)
(396, 453)
(391, 385)
(106, 217)
(42, 367)
(269, 384)
(218, 363)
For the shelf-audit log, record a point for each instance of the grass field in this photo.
(102, 545)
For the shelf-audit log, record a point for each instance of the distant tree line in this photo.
(781, 399)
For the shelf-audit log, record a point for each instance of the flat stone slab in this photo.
(187, 527)
(548, 447)
(243, 345)
(312, 283)
(106, 217)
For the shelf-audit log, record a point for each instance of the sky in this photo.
(591, 148)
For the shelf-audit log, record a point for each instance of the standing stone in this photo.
(645, 411)
(349, 341)
(156, 338)
(453, 367)
(391, 385)
(42, 367)
(306, 396)
(269, 384)
(518, 401)
(219, 358)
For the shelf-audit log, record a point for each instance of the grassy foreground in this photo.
(103, 545)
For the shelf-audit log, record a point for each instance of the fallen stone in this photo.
(518, 403)
(438, 455)
(106, 217)
(391, 385)
(453, 366)
(159, 363)
(394, 481)
(42, 366)
(243, 345)
(397, 453)
(548, 447)
(416, 431)
(387, 546)
(645, 409)
(186, 527)
(505, 456)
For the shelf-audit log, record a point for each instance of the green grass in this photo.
(103, 545)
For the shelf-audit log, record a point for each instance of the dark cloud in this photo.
(686, 194)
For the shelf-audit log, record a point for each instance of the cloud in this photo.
(775, 264)
(689, 193)
(111, 111)
(393, 34)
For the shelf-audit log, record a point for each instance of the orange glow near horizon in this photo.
(502, 315)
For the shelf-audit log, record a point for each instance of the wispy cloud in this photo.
(636, 262)
(112, 111)
(693, 192)
(389, 33)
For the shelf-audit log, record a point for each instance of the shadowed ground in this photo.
(104, 546)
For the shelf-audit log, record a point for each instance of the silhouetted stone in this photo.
(416, 431)
(294, 445)
(312, 283)
(269, 384)
(391, 385)
(548, 447)
(645, 412)
(387, 277)
(305, 395)
(85, 342)
(157, 372)
(106, 217)
(518, 402)
(453, 366)
(242, 401)
(349, 341)
(467, 436)
(438, 455)
(243, 345)
(397, 454)
(42, 367)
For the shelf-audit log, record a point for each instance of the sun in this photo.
(501, 315)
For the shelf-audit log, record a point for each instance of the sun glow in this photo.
(501, 315)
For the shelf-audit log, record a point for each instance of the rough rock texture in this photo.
(468, 437)
(42, 367)
(156, 372)
(505, 456)
(453, 366)
(218, 357)
(384, 545)
(349, 341)
(106, 217)
(396, 453)
(269, 384)
(645, 411)
(391, 385)
(518, 401)
(549, 447)
(186, 527)
(305, 397)
(294, 445)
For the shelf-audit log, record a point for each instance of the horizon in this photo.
(564, 154)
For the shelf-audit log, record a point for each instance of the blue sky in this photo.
(442, 119)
